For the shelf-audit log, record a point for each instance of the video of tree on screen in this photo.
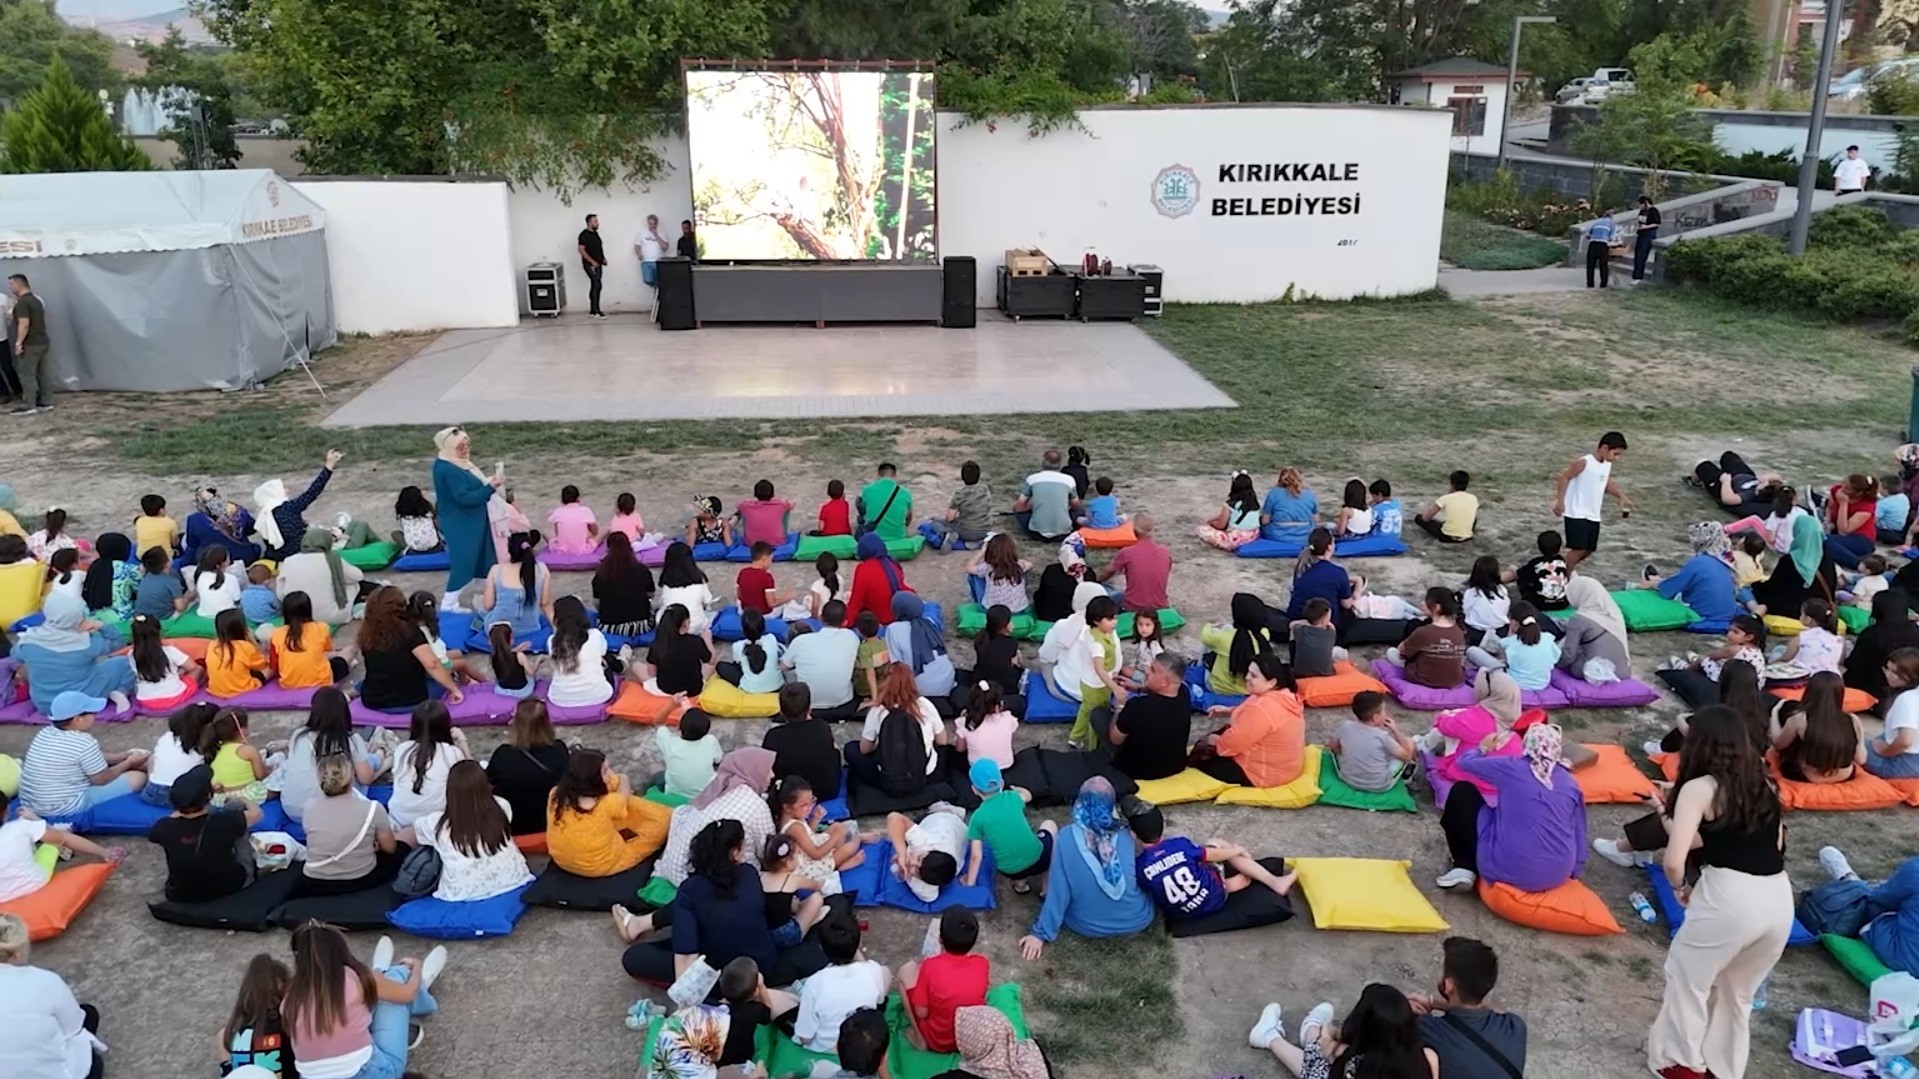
(813, 165)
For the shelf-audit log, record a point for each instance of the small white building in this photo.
(1475, 91)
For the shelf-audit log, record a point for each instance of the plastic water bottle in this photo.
(1759, 995)
(1898, 1068)
(1644, 906)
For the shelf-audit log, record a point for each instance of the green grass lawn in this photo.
(1472, 244)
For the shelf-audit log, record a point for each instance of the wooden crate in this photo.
(1027, 263)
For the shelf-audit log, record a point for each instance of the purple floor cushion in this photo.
(1428, 699)
(479, 706)
(1631, 693)
(571, 560)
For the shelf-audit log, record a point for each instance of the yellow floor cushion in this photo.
(1298, 794)
(1373, 894)
(1192, 785)
(1779, 625)
(723, 698)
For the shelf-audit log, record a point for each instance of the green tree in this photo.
(1655, 124)
(32, 37)
(59, 127)
(1805, 56)
(192, 87)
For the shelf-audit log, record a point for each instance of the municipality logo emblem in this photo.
(1175, 191)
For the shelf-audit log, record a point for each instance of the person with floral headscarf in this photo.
(1530, 831)
(990, 1048)
(1091, 888)
(1705, 582)
(705, 525)
(219, 519)
(690, 1044)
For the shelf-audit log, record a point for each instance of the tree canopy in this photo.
(60, 127)
(32, 37)
(198, 99)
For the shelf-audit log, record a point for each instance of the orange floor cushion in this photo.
(1908, 790)
(1863, 791)
(49, 911)
(1854, 701)
(1108, 538)
(1571, 908)
(1668, 766)
(531, 844)
(636, 705)
(194, 647)
(1338, 689)
(1613, 778)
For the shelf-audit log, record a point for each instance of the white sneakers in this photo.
(118, 701)
(1315, 1022)
(432, 965)
(1267, 1030)
(1652, 748)
(1454, 878)
(1610, 850)
(382, 955)
(1834, 863)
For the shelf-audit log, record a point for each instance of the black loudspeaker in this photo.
(959, 310)
(675, 295)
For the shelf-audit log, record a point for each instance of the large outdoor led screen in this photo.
(813, 164)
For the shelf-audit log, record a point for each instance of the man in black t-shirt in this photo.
(1472, 1040)
(28, 335)
(686, 247)
(593, 260)
(208, 853)
(1643, 239)
(1150, 734)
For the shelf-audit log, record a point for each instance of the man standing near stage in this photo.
(593, 260)
(688, 248)
(650, 247)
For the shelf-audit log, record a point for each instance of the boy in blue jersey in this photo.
(1184, 877)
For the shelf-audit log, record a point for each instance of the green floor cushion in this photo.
(905, 1062)
(1855, 618)
(188, 624)
(1855, 957)
(376, 555)
(1647, 611)
(906, 548)
(658, 892)
(811, 547)
(670, 801)
(1334, 791)
(1169, 622)
(972, 622)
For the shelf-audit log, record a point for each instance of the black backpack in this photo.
(902, 754)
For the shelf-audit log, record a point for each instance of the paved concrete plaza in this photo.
(625, 368)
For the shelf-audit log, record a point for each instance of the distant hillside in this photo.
(137, 27)
(1216, 18)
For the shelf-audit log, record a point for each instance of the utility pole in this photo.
(1809, 163)
(1512, 76)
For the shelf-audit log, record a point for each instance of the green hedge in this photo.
(1857, 266)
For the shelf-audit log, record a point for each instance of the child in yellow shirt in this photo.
(153, 528)
(1748, 566)
(234, 662)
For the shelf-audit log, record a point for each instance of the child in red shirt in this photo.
(758, 590)
(836, 513)
(941, 984)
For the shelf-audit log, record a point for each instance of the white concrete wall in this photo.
(416, 255)
(546, 229)
(1876, 147)
(1069, 190)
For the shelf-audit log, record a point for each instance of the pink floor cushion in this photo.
(1427, 699)
(478, 706)
(1631, 693)
(571, 715)
(572, 560)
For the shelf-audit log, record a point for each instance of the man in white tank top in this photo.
(1583, 487)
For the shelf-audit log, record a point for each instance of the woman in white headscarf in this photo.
(1594, 647)
(281, 520)
(462, 494)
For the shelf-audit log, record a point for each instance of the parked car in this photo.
(1607, 81)
(1854, 84)
(1572, 91)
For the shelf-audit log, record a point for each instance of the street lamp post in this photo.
(1809, 164)
(1512, 75)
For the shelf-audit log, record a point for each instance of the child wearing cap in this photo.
(941, 984)
(208, 853)
(30, 848)
(65, 771)
(1000, 825)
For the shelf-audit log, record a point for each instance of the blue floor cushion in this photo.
(470, 920)
(421, 562)
(1045, 706)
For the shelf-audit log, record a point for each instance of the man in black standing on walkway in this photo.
(687, 248)
(593, 259)
(29, 334)
(1643, 238)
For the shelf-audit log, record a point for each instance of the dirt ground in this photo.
(549, 999)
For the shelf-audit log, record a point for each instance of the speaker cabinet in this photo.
(675, 295)
(959, 310)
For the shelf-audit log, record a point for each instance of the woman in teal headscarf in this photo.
(1091, 887)
(1804, 573)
